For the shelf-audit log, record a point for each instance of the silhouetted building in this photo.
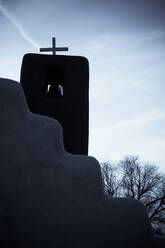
(53, 199)
(58, 86)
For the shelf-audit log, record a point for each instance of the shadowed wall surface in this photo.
(51, 198)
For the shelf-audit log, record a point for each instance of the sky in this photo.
(124, 41)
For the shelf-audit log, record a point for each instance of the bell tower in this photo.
(57, 86)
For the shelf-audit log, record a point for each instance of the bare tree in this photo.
(110, 180)
(141, 181)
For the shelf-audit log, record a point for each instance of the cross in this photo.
(54, 48)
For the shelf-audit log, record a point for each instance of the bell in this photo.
(54, 90)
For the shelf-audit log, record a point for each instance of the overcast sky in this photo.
(124, 41)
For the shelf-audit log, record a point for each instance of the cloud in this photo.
(17, 25)
(141, 121)
(133, 122)
(7, 62)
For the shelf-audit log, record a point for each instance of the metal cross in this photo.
(54, 48)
